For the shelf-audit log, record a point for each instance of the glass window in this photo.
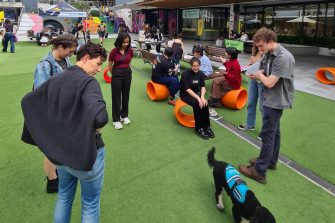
(268, 22)
(330, 20)
(310, 19)
(287, 19)
(211, 18)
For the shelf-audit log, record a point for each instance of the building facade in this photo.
(300, 21)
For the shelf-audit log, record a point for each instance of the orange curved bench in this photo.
(235, 99)
(107, 78)
(323, 78)
(157, 92)
(184, 119)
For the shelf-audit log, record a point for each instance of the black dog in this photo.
(245, 203)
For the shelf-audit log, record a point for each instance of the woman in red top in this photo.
(119, 63)
(231, 79)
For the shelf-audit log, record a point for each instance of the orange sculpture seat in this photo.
(235, 99)
(183, 118)
(157, 92)
(323, 78)
(107, 78)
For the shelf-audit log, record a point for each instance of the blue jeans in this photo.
(9, 37)
(270, 135)
(91, 185)
(171, 82)
(254, 94)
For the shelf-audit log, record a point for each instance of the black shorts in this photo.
(101, 34)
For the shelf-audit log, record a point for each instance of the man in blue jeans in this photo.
(164, 73)
(69, 133)
(276, 74)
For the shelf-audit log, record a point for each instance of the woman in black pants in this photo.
(192, 91)
(119, 63)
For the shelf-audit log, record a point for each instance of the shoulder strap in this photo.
(51, 67)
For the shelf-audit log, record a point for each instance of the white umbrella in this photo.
(302, 19)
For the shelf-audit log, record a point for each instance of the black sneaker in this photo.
(201, 133)
(52, 185)
(210, 132)
(244, 127)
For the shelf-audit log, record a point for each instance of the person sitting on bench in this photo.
(164, 73)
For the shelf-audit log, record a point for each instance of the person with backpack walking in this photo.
(54, 63)
(102, 31)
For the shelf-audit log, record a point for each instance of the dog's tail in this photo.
(212, 162)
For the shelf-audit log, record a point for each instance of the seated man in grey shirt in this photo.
(276, 74)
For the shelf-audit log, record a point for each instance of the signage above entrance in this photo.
(191, 14)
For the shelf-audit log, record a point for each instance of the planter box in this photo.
(326, 52)
(301, 50)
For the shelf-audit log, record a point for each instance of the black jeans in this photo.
(270, 135)
(120, 94)
(201, 115)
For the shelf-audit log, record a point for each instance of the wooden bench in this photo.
(148, 57)
(214, 53)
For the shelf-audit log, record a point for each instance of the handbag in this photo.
(15, 38)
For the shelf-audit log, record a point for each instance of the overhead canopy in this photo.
(302, 19)
(187, 4)
(63, 9)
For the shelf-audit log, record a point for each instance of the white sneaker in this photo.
(117, 125)
(125, 120)
(212, 112)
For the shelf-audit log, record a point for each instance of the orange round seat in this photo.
(157, 92)
(107, 78)
(235, 99)
(323, 78)
(183, 118)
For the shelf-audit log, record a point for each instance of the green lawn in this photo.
(156, 170)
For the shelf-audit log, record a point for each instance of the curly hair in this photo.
(64, 40)
(264, 34)
(93, 50)
(120, 38)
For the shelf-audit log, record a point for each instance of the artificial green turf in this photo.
(155, 170)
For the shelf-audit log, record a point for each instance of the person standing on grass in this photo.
(192, 92)
(119, 63)
(276, 74)
(54, 63)
(69, 133)
(8, 35)
(254, 94)
(102, 31)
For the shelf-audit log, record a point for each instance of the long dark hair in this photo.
(120, 38)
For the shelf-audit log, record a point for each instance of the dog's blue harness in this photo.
(236, 184)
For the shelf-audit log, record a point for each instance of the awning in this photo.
(187, 4)
(132, 5)
(302, 19)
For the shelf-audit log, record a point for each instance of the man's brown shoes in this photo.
(249, 171)
(270, 167)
